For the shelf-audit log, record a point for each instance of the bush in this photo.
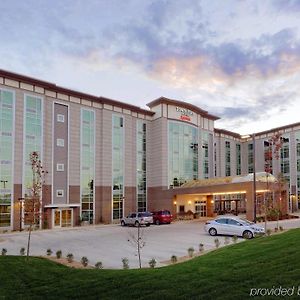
(201, 247)
(49, 252)
(275, 229)
(58, 254)
(280, 228)
(234, 239)
(4, 251)
(99, 265)
(125, 262)
(174, 259)
(70, 257)
(152, 263)
(22, 251)
(84, 261)
(268, 232)
(191, 251)
(217, 243)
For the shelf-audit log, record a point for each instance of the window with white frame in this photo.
(60, 142)
(60, 167)
(60, 118)
(59, 193)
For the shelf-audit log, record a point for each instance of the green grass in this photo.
(226, 273)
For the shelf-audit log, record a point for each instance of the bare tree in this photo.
(33, 203)
(273, 152)
(137, 240)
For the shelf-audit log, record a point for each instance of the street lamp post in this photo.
(4, 182)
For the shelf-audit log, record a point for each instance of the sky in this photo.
(237, 59)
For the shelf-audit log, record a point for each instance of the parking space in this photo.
(110, 243)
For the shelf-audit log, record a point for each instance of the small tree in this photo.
(4, 251)
(201, 247)
(32, 203)
(58, 254)
(137, 240)
(22, 251)
(49, 252)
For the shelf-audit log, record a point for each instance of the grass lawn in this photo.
(226, 273)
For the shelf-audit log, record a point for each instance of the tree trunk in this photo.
(28, 243)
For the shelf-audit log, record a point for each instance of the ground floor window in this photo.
(5, 215)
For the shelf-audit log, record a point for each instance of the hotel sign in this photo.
(186, 114)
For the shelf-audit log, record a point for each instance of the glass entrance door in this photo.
(63, 218)
(200, 208)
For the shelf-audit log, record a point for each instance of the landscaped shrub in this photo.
(125, 263)
(201, 247)
(234, 239)
(70, 257)
(22, 251)
(152, 263)
(58, 254)
(174, 259)
(226, 240)
(280, 228)
(49, 252)
(217, 243)
(99, 265)
(275, 229)
(268, 232)
(4, 251)
(191, 251)
(84, 261)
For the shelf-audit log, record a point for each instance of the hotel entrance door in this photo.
(63, 218)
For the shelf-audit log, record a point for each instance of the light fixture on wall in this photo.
(190, 202)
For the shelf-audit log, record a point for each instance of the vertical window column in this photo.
(33, 130)
(205, 156)
(117, 167)
(87, 169)
(6, 159)
(141, 167)
(238, 159)
(227, 159)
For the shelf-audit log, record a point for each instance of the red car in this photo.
(162, 217)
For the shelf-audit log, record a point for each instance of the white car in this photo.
(137, 219)
(229, 225)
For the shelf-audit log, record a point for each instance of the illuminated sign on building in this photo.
(185, 113)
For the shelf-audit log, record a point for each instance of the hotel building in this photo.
(105, 158)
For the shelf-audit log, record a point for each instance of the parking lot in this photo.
(110, 243)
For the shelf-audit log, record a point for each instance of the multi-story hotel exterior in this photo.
(105, 158)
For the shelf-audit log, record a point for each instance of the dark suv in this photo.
(161, 217)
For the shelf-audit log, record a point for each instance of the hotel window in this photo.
(60, 118)
(238, 159)
(6, 146)
(227, 159)
(297, 141)
(87, 171)
(250, 158)
(60, 142)
(33, 128)
(117, 167)
(183, 153)
(60, 167)
(285, 158)
(59, 193)
(141, 166)
(268, 156)
(205, 154)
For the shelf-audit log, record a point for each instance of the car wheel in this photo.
(247, 234)
(157, 222)
(212, 231)
(123, 223)
(136, 223)
(148, 225)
